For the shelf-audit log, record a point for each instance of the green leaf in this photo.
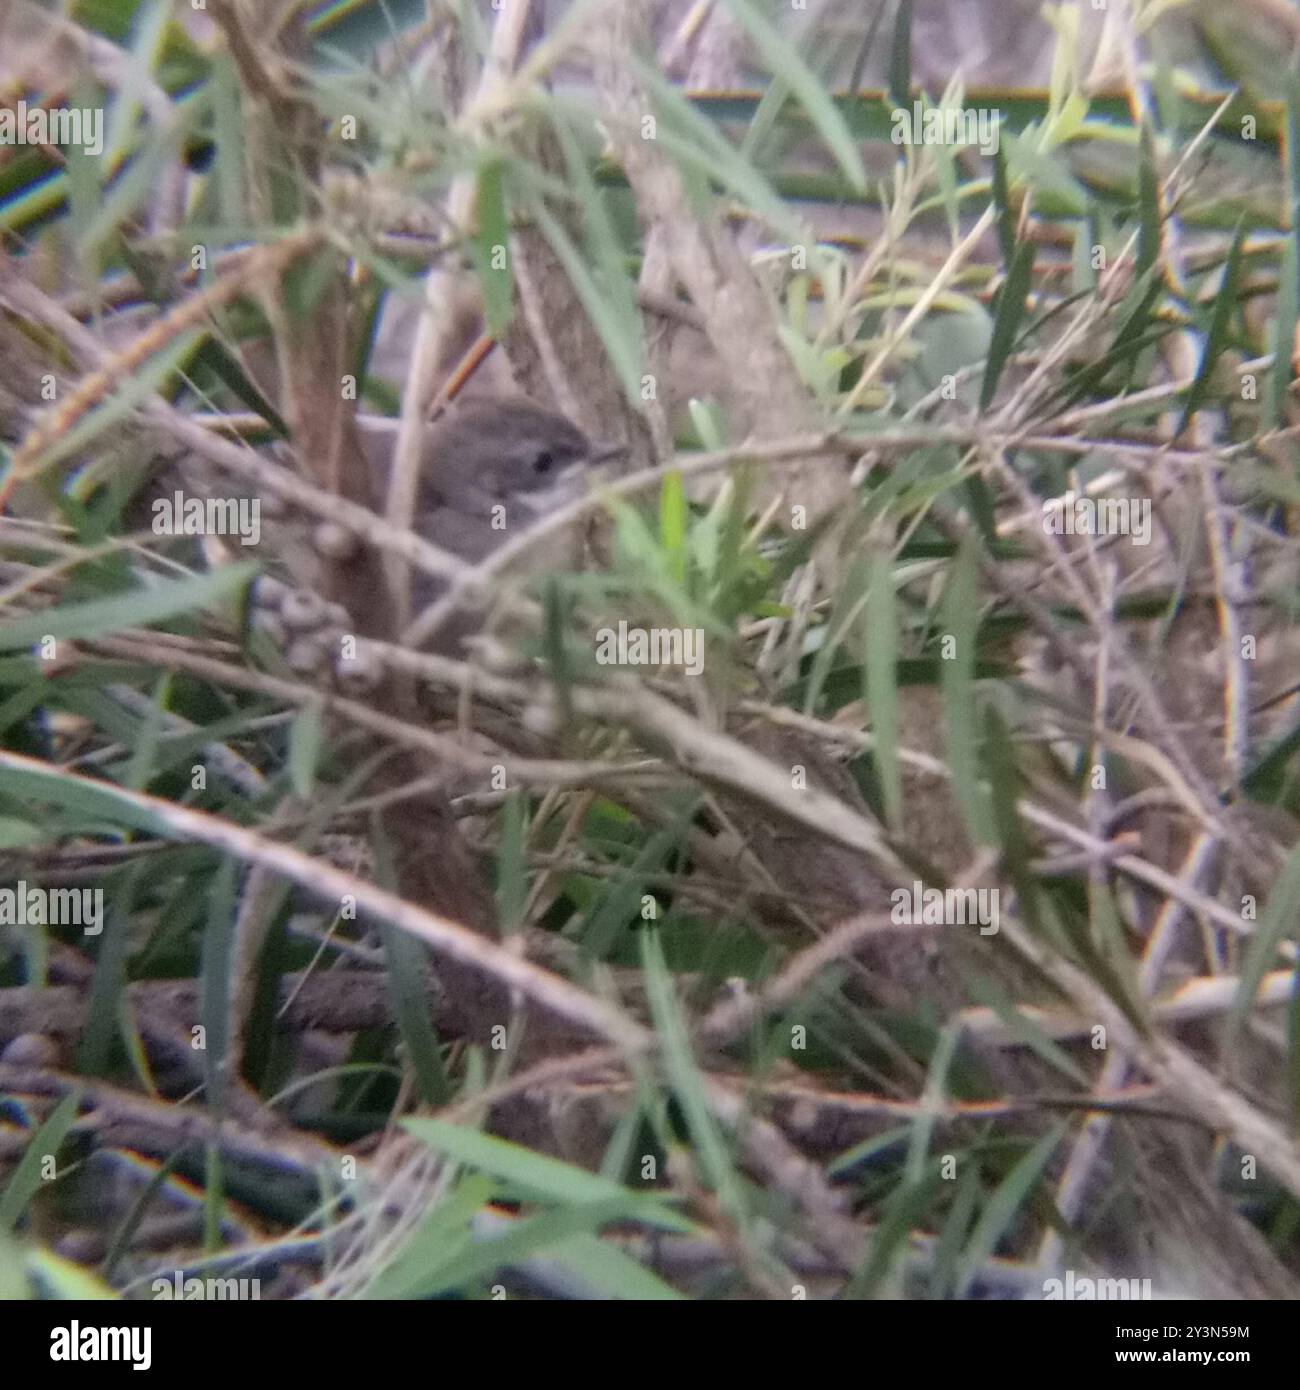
(137, 388)
(1083, 277)
(440, 1240)
(93, 803)
(900, 55)
(227, 368)
(144, 754)
(491, 244)
(149, 29)
(936, 1086)
(214, 1196)
(1023, 1027)
(307, 282)
(1006, 323)
(124, 1234)
(218, 958)
(1266, 779)
(868, 1149)
(1001, 1208)
(1293, 1049)
(843, 619)
(540, 1239)
(1289, 268)
(959, 619)
(695, 143)
(512, 867)
(556, 607)
(619, 333)
(306, 737)
(1148, 204)
(138, 608)
(229, 155)
(533, 1176)
(1216, 339)
(1000, 768)
(1284, 328)
(1119, 977)
(610, 1271)
(943, 1270)
(1057, 192)
(687, 1083)
(27, 1178)
(1006, 214)
(786, 64)
(672, 525)
(16, 833)
(908, 1207)
(407, 960)
(1277, 921)
(621, 900)
(94, 1049)
(408, 966)
(880, 660)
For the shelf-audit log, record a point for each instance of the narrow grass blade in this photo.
(512, 868)
(615, 330)
(1006, 322)
(1276, 923)
(140, 770)
(956, 1226)
(408, 965)
(138, 608)
(1216, 339)
(1288, 289)
(1293, 1050)
(1006, 215)
(959, 618)
(27, 1177)
(306, 738)
(1148, 249)
(787, 65)
(880, 660)
(533, 1176)
(218, 955)
(1000, 768)
(489, 247)
(1000, 1210)
(900, 55)
(908, 1208)
(1023, 1028)
(94, 1049)
(1284, 329)
(687, 1083)
(936, 1085)
(672, 525)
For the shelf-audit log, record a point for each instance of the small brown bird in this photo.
(491, 467)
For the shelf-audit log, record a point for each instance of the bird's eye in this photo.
(544, 462)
